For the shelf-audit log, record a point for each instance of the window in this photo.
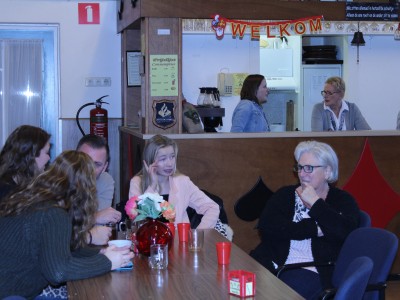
(29, 80)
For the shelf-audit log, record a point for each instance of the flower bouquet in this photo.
(150, 207)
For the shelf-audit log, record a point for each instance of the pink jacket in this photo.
(184, 193)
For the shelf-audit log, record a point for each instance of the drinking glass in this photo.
(158, 256)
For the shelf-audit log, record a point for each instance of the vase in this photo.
(150, 233)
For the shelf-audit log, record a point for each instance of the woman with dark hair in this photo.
(248, 115)
(44, 230)
(24, 155)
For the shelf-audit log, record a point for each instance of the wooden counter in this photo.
(229, 164)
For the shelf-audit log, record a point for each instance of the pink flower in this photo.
(168, 211)
(131, 207)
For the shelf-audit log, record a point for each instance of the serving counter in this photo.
(229, 164)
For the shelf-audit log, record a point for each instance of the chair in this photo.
(355, 279)
(365, 219)
(195, 218)
(378, 244)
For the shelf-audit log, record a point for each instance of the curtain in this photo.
(21, 84)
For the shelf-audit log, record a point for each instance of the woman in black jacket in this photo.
(307, 222)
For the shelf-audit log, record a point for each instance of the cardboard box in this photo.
(242, 283)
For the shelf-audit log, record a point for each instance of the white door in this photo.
(314, 77)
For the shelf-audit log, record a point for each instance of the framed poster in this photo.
(133, 61)
(164, 75)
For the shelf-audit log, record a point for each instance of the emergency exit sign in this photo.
(89, 13)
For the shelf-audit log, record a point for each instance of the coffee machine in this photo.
(208, 106)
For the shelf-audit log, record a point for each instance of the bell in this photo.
(358, 39)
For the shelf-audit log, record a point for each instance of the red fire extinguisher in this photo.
(98, 118)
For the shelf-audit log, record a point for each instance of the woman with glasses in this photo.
(335, 114)
(248, 115)
(307, 222)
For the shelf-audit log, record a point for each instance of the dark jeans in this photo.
(304, 282)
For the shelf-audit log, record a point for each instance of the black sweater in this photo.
(337, 216)
(35, 251)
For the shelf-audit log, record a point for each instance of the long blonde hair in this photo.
(70, 184)
(150, 152)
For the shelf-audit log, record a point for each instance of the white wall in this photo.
(371, 84)
(85, 50)
(204, 57)
(374, 82)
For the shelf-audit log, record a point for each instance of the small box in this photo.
(242, 283)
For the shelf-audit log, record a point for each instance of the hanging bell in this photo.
(358, 39)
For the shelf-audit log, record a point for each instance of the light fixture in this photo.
(358, 40)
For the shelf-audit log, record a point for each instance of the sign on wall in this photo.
(88, 13)
(239, 27)
(164, 75)
(372, 11)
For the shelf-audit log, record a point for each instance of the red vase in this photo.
(150, 233)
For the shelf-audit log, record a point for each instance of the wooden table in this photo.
(190, 275)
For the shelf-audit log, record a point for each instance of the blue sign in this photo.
(372, 11)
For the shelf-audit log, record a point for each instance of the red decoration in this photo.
(150, 233)
(372, 192)
(238, 27)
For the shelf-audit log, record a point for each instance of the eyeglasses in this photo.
(306, 168)
(328, 93)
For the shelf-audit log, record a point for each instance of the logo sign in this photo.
(372, 11)
(164, 113)
(89, 13)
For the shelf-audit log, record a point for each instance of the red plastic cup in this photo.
(223, 252)
(183, 231)
(171, 227)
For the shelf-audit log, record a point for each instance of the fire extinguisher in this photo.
(98, 118)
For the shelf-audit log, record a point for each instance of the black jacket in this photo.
(337, 216)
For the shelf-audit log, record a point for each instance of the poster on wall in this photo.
(133, 62)
(163, 75)
(88, 13)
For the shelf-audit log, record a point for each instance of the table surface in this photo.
(190, 275)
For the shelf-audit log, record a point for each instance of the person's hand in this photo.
(100, 235)
(119, 257)
(307, 194)
(152, 170)
(108, 215)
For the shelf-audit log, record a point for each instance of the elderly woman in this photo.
(307, 222)
(248, 115)
(334, 114)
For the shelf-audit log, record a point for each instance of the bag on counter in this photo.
(191, 119)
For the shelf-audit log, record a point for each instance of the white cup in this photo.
(120, 243)
(158, 257)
